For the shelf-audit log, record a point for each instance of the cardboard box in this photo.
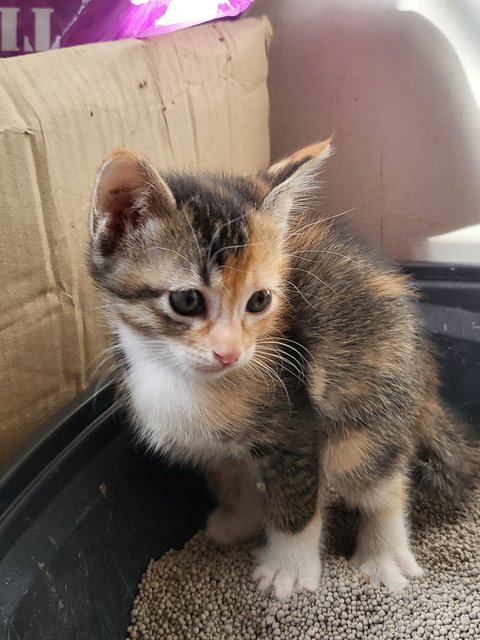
(196, 98)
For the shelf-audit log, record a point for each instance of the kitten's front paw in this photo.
(388, 569)
(288, 574)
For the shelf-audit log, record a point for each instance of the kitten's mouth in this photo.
(211, 367)
(221, 368)
(218, 369)
(214, 368)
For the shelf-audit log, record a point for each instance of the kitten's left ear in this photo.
(128, 192)
(293, 179)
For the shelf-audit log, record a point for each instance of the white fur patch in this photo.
(290, 563)
(383, 554)
(173, 412)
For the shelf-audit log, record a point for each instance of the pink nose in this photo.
(226, 357)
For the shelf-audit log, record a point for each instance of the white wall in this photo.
(398, 82)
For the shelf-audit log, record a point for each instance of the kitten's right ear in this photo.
(293, 180)
(127, 192)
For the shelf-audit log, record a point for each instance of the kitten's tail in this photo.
(447, 462)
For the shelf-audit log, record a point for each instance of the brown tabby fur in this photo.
(343, 385)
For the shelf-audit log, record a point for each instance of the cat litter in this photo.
(206, 592)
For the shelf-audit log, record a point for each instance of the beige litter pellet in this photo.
(205, 592)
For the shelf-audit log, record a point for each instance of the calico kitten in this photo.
(272, 349)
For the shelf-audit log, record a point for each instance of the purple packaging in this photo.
(27, 26)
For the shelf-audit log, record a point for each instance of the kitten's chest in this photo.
(182, 417)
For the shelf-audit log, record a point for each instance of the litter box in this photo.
(85, 508)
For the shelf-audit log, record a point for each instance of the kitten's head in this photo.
(192, 266)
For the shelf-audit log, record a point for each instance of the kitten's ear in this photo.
(293, 179)
(128, 190)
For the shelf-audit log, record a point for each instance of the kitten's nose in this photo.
(226, 358)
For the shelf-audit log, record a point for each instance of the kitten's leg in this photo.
(240, 510)
(290, 561)
(383, 553)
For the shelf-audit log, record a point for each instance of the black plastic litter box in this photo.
(85, 508)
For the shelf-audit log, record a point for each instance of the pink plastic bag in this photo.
(38, 25)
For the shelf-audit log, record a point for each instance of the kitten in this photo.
(269, 347)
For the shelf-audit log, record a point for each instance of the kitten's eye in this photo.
(259, 301)
(187, 302)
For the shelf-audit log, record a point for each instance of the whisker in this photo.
(285, 298)
(314, 276)
(291, 342)
(285, 345)
(193, 232)
(294, 255)
(318, 251)
(157, 248)
(227, 266)
(265, 376)
(109, 374)
(310, 224)
(234, 246)
(303, 296)
(292, 366)
(101, 359)
(277, 378)
(256, 369)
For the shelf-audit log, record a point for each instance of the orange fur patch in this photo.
(256, 265)
(317, 382)
(355, 390)
(238, 269)
(202, 330)
(346, 455)
(387, 497)
(261, 188)
(389, 285)
(306, 153)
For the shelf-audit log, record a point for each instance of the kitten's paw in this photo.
(407, 563)
(388, 569)
(284, 576)
(380, 570)
(226, 528)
